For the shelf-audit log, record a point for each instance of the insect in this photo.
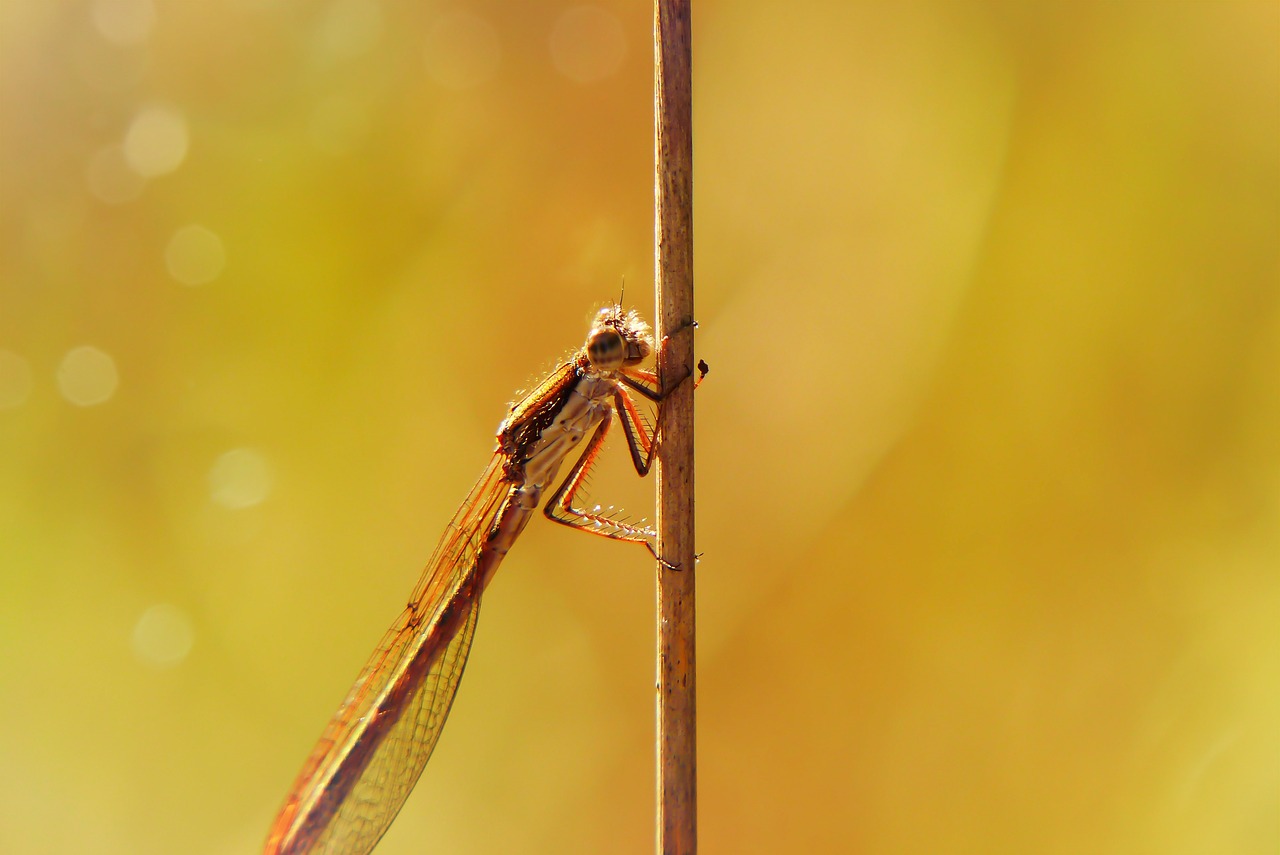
(375, 747)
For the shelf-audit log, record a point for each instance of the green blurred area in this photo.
(989, 477)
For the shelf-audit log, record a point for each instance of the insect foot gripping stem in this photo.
(653, 550)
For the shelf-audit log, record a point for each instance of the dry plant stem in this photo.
(677, 754)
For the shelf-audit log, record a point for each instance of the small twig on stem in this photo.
(677, 745)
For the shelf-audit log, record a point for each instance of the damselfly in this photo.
(377, 744)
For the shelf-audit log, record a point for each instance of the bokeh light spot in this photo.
(156, 142)
(195, 255)
(163, 636)
(124, 23)
(110, 178)
(15, 380)
(587, 44)
(87, 376)
(349, 28)
(240, 478)
(462, 51)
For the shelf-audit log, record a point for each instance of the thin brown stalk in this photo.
(676, 749)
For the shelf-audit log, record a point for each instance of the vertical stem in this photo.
(677, 746)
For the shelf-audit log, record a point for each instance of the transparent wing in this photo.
(397, 762)
(376, 746)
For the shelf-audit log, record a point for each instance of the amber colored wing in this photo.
(377, 744)
(530, 415)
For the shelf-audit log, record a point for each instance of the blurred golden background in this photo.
(989, 467)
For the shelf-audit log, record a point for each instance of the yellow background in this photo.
(989, 458)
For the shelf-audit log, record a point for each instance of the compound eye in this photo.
(604, 349)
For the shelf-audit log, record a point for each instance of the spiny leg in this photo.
(646, 382)
(641, 441)
(560, 507)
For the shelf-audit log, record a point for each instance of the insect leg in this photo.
(560, 506)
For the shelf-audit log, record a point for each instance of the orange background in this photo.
(989, 477)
